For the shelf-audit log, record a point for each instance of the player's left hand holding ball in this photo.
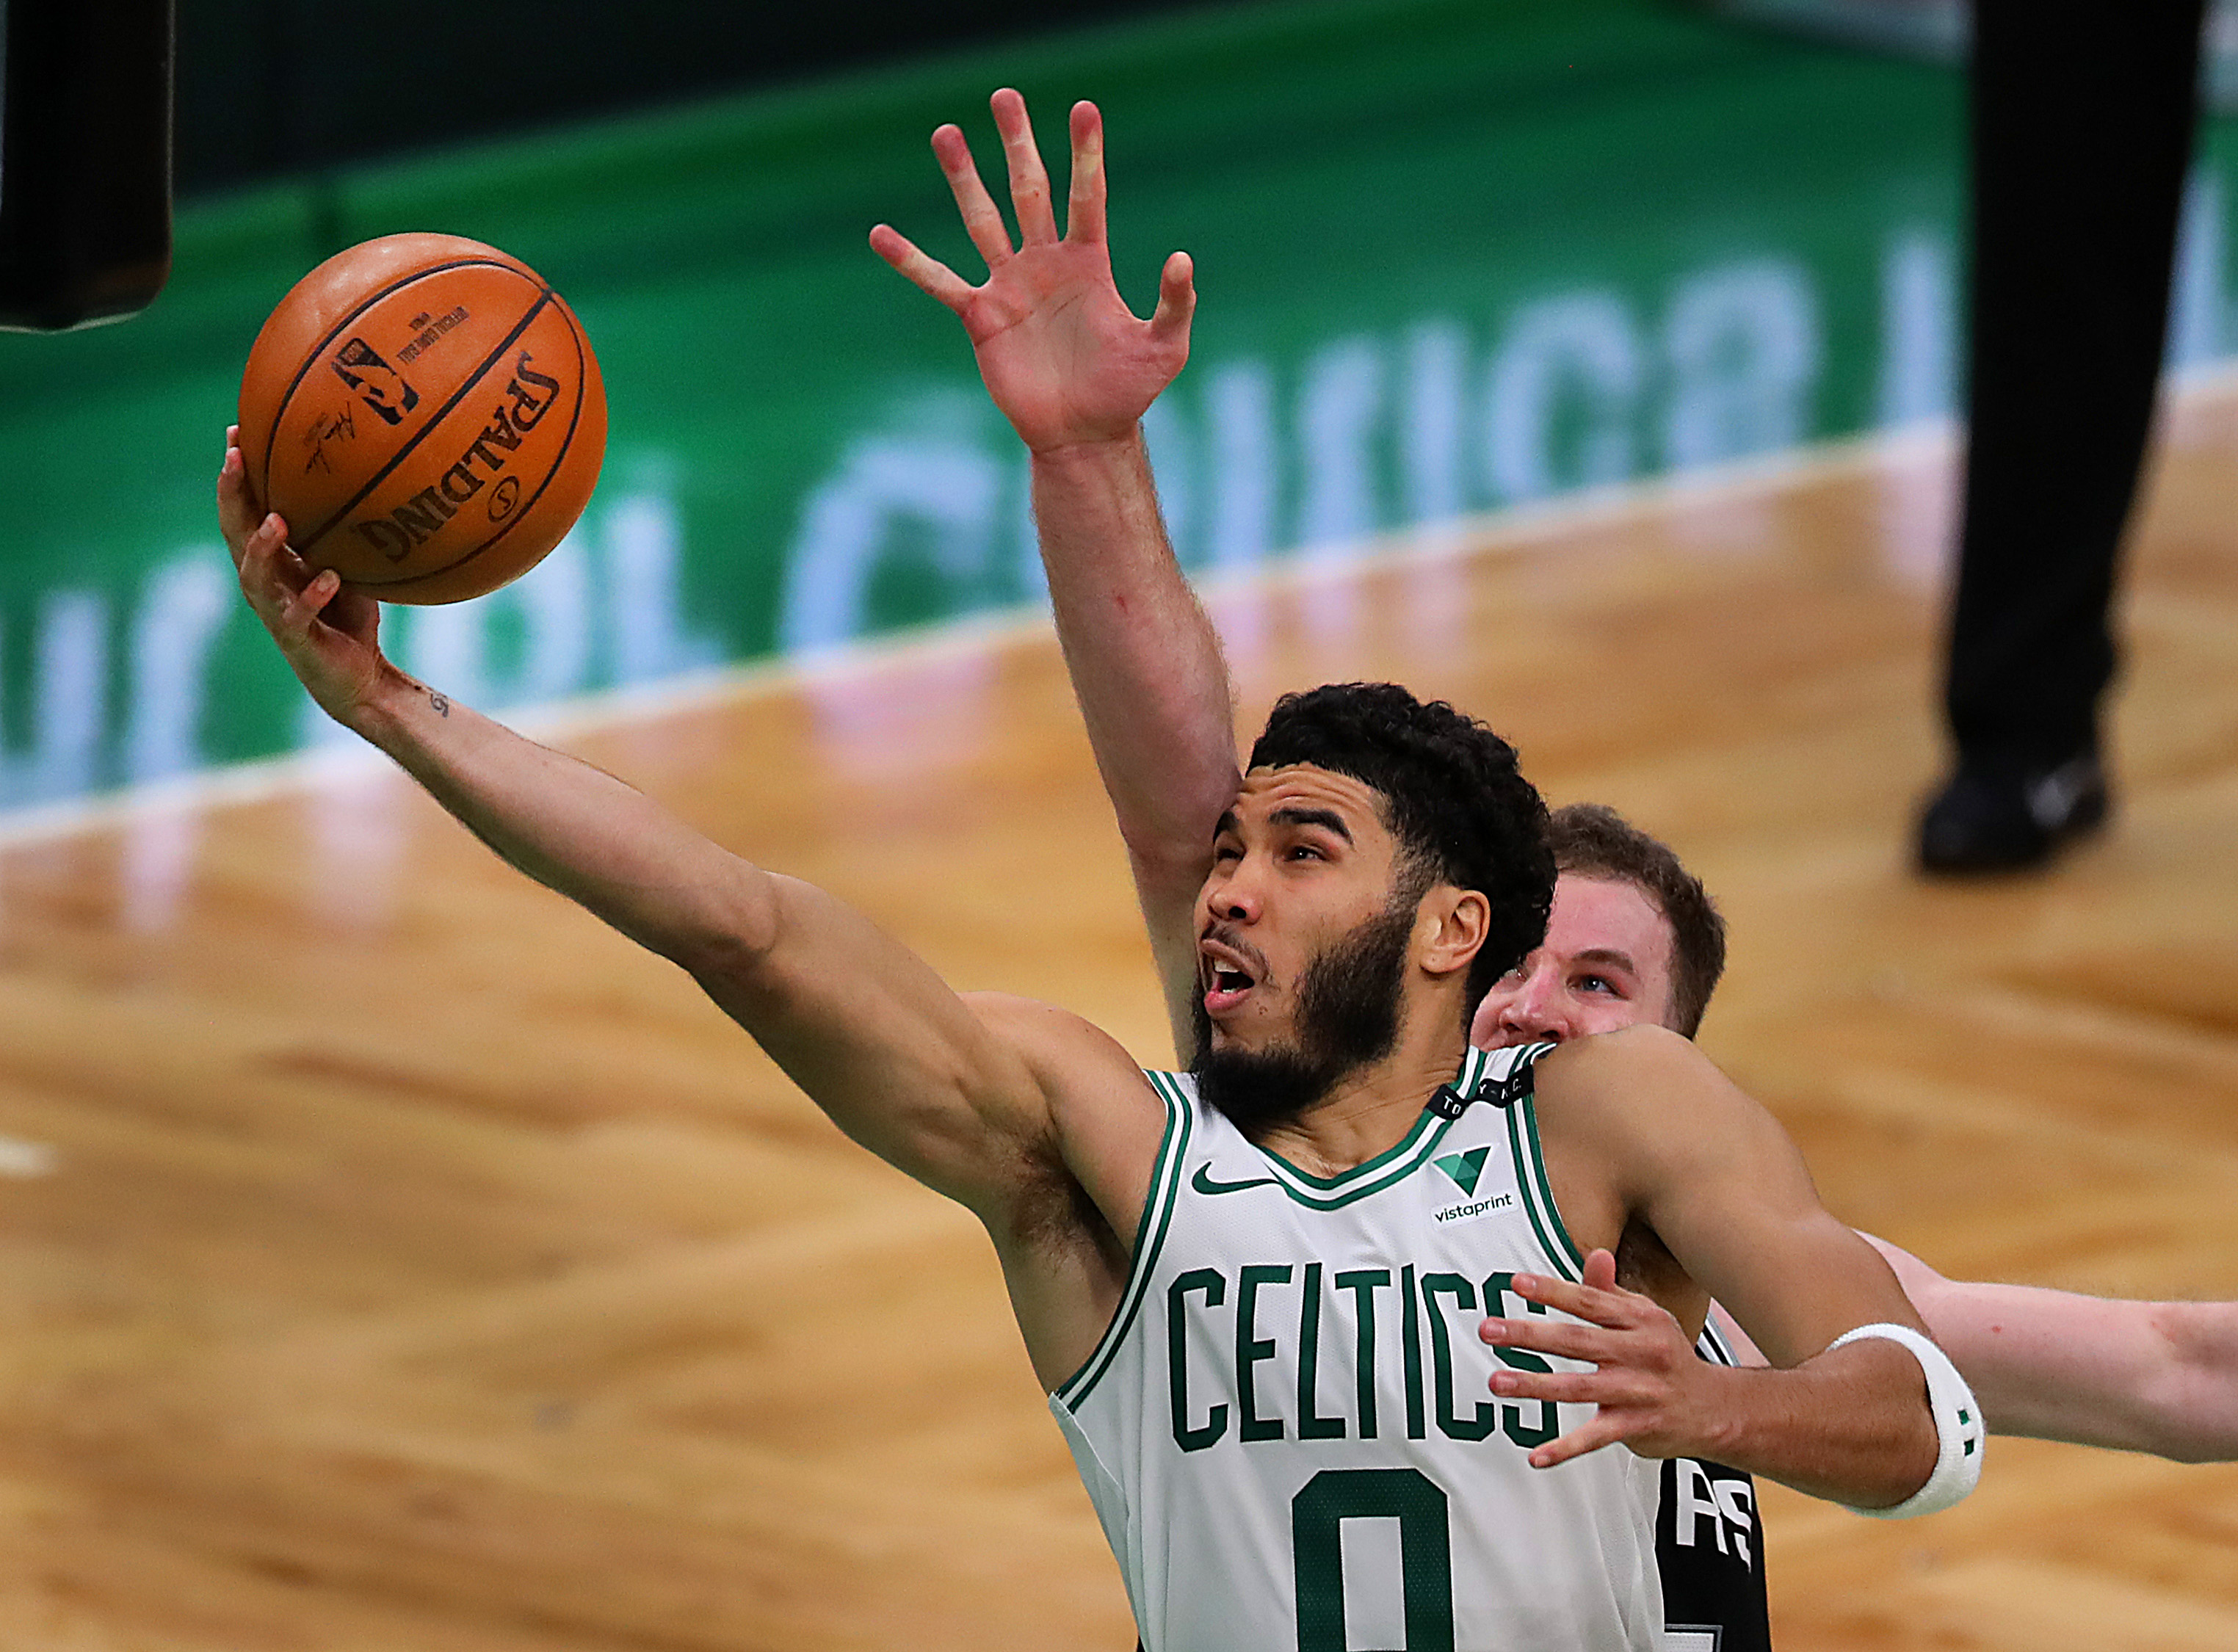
(330, 636)
(1650, 1392)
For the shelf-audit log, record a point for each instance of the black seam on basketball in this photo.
(566, 445)
(435, 422)
(311, 360)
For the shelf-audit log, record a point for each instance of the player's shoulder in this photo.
(1649, 1107)
(1635, 1077)
(1075, 1062)
(1110, 1119)
(1629, 1052)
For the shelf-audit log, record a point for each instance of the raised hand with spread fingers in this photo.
(1063, 357)
(1074, 370)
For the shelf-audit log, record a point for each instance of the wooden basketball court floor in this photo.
(392, 1260)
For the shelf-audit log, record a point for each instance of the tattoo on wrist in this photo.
(441, 704)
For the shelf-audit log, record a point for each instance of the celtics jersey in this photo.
(1288, 1429)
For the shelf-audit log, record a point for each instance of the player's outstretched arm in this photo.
(1074, 370)
(2158, 1377)
(1713, 1179)
(957, 1097)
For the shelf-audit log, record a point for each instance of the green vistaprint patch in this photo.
(1464, 1167)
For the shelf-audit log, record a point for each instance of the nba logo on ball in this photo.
(375, 380)
(444, 482)
(529, 396)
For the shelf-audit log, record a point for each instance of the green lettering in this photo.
(1215, 1423)
(1364, 1283)
(1464, 1295)
(1410, 1348)
(1426, 1557)
(1250, 1350)
(1311, 1424)
(1528, 1436)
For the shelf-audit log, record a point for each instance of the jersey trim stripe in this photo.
(1422, 1142)
(1308, 1188)
(1165, 1187)
(1714, 1345)
(1472, 1067)
(1393, 1165)
(1538, 1195)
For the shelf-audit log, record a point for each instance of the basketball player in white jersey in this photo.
(1257, 1290)
(1153, 691)
(2128, 1376)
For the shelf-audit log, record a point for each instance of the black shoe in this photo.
(2007, 820)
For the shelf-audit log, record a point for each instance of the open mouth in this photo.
(1228, 978)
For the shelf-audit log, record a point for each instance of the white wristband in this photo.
(1958, 1430)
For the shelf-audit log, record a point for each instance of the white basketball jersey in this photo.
(1288, 1430)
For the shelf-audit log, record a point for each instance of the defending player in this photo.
(1154, 691)
(1633, 937)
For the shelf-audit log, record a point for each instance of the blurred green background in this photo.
(1454, 257)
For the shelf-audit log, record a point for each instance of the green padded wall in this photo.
(1454, 257)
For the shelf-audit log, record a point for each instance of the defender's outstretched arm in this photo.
(2157, 1376)
(2119, 1374)
(1074, 370)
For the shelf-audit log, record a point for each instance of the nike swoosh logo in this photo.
(1203, 1183)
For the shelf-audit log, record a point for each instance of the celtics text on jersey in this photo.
(1288, 1429)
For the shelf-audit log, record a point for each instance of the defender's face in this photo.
(1605, 964)
(1299, 860)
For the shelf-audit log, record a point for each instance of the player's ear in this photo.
(1449, 929)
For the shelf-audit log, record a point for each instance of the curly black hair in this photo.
(1452, 797)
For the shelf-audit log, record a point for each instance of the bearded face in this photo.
(1349, 1002)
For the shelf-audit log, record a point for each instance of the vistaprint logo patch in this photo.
(1464, 1170)
(1473, 1209)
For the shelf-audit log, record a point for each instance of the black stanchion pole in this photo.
(85, 160)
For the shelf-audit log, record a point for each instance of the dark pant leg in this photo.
(2083, 112)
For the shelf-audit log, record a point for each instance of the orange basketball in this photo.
(428, 416)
